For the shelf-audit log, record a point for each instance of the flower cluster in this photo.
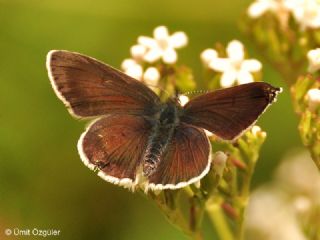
(306, 101)
(234, 67)
(278, 8)
(293, 203)
(132, 68)
(305, 12)
(150, 50)
(284, 31)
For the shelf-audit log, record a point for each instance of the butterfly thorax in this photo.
(162, 132)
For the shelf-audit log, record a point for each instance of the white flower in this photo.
(235, 67)
(137, 51)
(313, 97)
(305, 12)
(162, 46)
(183, 100)
(208, 55)
(314, 60)
(277, 7)
(132, 68)
(151, 76)
(290, 199)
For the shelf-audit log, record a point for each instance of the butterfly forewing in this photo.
(228, 112)
(186, 160)
(115, 146)
(91, 88)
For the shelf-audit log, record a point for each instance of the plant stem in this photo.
(244, 193)
(177, 219)
(218, 219)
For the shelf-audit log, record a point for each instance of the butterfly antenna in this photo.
(196, 92)
(189, 93)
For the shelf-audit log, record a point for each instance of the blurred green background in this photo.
(43, 183)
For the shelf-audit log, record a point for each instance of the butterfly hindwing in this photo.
(228, 112)
(186, 160)
(90, 88)
(115, 146)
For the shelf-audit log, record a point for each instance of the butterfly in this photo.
(135, 139)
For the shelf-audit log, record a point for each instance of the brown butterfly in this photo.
(136, 139)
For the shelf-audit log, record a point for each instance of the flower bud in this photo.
(219, 162)
(313, 96)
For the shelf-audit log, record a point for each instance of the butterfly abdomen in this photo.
(162, 133)
(152, 157)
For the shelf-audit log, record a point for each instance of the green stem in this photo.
(242, 201)
(245, 191)
(176, 218)
(168, 202)
(218, 219)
